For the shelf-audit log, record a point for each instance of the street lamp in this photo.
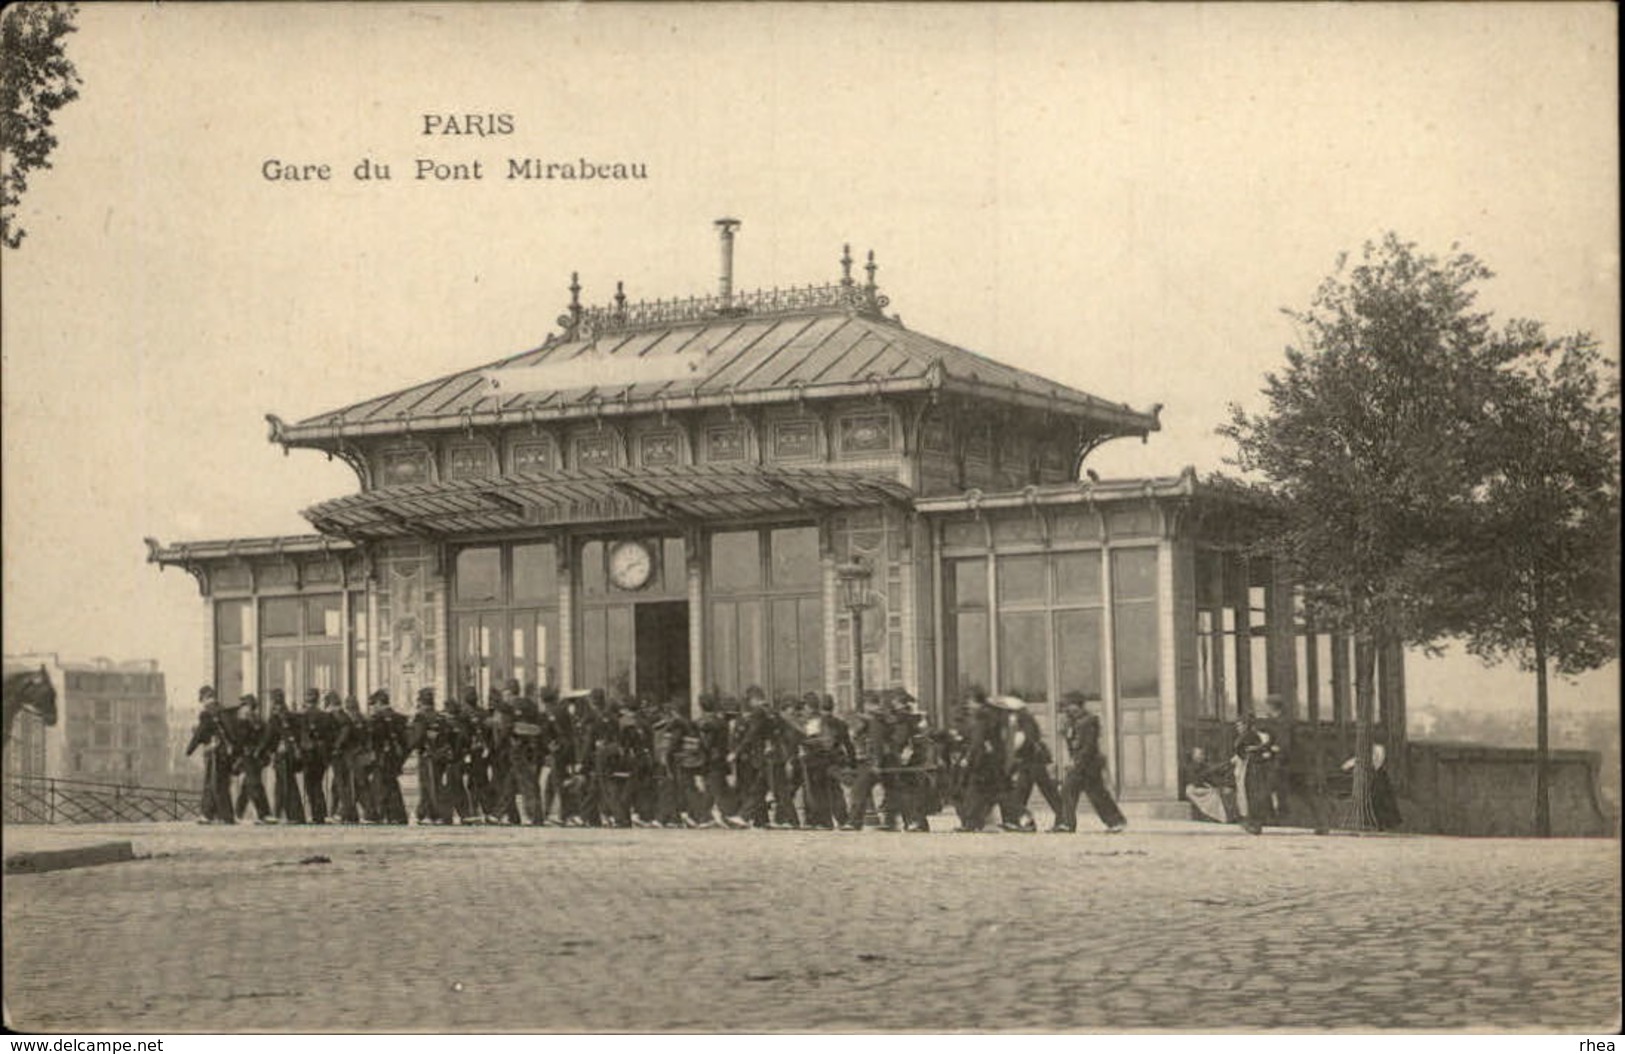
(854, 579)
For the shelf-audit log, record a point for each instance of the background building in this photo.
(112, 723)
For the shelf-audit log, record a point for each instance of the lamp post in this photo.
(854, 579)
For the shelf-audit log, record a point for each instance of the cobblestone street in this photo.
(1169, 927)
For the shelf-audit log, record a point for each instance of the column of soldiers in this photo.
(591, 758)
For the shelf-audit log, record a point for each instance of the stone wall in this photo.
(1466, 789)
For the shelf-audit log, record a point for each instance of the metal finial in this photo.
(871, 267)
(575, 292)
(620, 298)
(846, 264)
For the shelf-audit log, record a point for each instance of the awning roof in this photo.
(680, 494)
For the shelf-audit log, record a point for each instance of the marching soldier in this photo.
(868, 731)
(714, 734)
(423, 737)
(1027, 760)
(211, 734)
(916, 763)
(477, 776)
(317, 726)
(527, 750)
(255, 741)
(502, 806)
(1086, 773)
(980, 778)
(452, 791)
(819, 753)
(386, 735)
(283, 731)
(843, 760)
(781, 752)
(342, 749)
(750, 733)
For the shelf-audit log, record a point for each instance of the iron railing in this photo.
(29, 799)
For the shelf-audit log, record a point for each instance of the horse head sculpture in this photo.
(29, 690)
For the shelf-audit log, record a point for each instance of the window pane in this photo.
(795, 557)
(594, 651)
(1299, 704)
(229, 673)
(1021, 578)
(1024, 655)
(811, 612)
(1209, 675)
(1263, 673)
(594, 580)
(1077, 652)
(535, 573)
(1134, 574)
(1135, 631)
(970, 648)
(231, 622)
(479, 575)
(279, 617)
(322, 668)
(736, 561)
(619, 625)
(750, 643)
(725, 647)
(970, 584)
(674, 566)
(1077, 578)
(280, 669)
(323, 616)
(786, 647)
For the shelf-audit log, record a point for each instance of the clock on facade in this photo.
(630, 565)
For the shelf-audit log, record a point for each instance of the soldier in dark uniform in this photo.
(342, 749)
(817, 752)
(715, 735)
(1086, 773)
(423, 736)
(502, 806)
(452, 790)
(781, 752)
(283, 728)
(745, 756)
(561, 757)
(842, 762)
(671, 784)
(255, 745)
(386, 733)
(317, 727)
(477, 759)
(915, 751)
(363, 761)
(527, 749)
(981, 774)
(211, 734)
(869, 730)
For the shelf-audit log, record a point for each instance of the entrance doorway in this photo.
(661, 649)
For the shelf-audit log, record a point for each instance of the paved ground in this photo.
(1172, 926)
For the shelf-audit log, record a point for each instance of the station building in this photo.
(665, 495)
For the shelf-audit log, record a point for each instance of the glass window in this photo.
(479, 575)
(279, 617)
(104, 709)
(323, 616)
(1210, 675)
(1021, 579)
(102, 736)
(968, 533)
(1077, 652)
(1135, 632)
(725, 647)
(736, 561)
(971, 661)
(535, 573)
(811, 617)
(970, 584)
(231, 622)
(674, 561)
(1134, 574)
(594, 576)
(795, 556)
(228, 673)
(1024, 655)
(750, 643)
(786, 647)
(1077, 578)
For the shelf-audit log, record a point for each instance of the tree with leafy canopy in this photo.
(1546, 589)
(36, 79)
(1369, 455)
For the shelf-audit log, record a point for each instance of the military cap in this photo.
(1074, 698)
(205, 694)
(279, 696)
(312, 695)
(425, 695)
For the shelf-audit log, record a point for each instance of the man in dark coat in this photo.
(746, 755)
(317, 727)
(872, 750)
(212, 735)
(283, 729)
(252, 734)
(386, 735)
(342, 749)
(1288, 779)
(423, 737)
(1086, 772)
(527, 750)
(981, 783)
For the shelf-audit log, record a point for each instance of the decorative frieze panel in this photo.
(594, 450)
(470, 461)
(532, 455)
(866, 434)
(660, 448)
(403, 465)
(725, 443)
(794, 440)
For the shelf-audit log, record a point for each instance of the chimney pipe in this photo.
(725, 284)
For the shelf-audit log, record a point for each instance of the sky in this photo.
(1121, 197)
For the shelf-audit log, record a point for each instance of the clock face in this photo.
(630, 565)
